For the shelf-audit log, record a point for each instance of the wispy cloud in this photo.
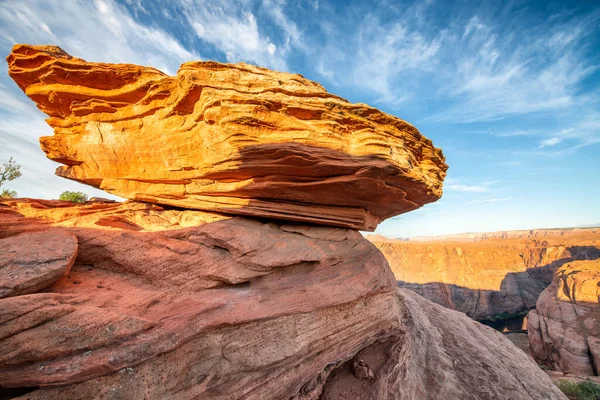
(456, 187)
(500, 74)
(101, 30)
(379, 55)
(490, 199)
(466, 188)
(233, 28)
(550, 142)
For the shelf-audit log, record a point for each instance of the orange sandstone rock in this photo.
(236, 138)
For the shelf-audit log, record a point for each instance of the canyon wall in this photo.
(487, 278)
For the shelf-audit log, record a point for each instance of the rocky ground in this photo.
(229, 308)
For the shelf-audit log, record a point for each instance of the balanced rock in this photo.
(564, 329)
(234, 308)
(236, 138)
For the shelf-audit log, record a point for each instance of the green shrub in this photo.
(8, 194)
(75, 197)
(580, 391)
(9, 171)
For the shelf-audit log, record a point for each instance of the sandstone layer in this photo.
(48, 258)
(486, 279)
(564, 328)
(234, 308)
(236, 138)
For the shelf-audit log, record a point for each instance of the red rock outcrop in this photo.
(564, 329)
(234, 308)
(236, 138)
(48, 258)
(488, 278)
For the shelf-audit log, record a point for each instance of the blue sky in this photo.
(509, 90)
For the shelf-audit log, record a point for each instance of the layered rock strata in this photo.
(236, 138)
(486, 279)
(233, 308)
(564, 328)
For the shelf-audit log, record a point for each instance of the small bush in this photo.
(580, 390)
(9, 171)
(75, 197)
(8, 194)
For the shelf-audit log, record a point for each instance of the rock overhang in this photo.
(231, 138)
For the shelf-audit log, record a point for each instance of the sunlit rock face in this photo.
(230, 138)
(564, 329)
(173, 304)
(488, 278)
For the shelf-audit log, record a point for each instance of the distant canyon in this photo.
(486, 275)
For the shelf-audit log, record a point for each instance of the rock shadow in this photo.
(518, 291)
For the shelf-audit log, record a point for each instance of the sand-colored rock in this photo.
(239, 309)
(33, 261)
(487, 278)
(564, 329)
(230, 138)
(129, 215)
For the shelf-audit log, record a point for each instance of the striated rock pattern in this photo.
(564, 328)
(236, 138)
(48, 257)
(486, 279)
(236, 309)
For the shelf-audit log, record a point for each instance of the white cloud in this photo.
(490, 199)
(498, 74)
(379, 57)
(466, 188)
(234, 30)
(455, 186)
(96, 31)
(292, 35)
(550, 142)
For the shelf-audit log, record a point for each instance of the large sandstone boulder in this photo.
(231, 138)
(233, 308)
(486, 279)
(564, 329)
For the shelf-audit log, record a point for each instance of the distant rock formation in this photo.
(564, 329)
(231, 138)
(479, 236)
(486, 279)
(179, 304)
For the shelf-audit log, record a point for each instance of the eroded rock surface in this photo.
(32, 261)
(490, 278)
(238, 309)
(230, 138)
(564, 329)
